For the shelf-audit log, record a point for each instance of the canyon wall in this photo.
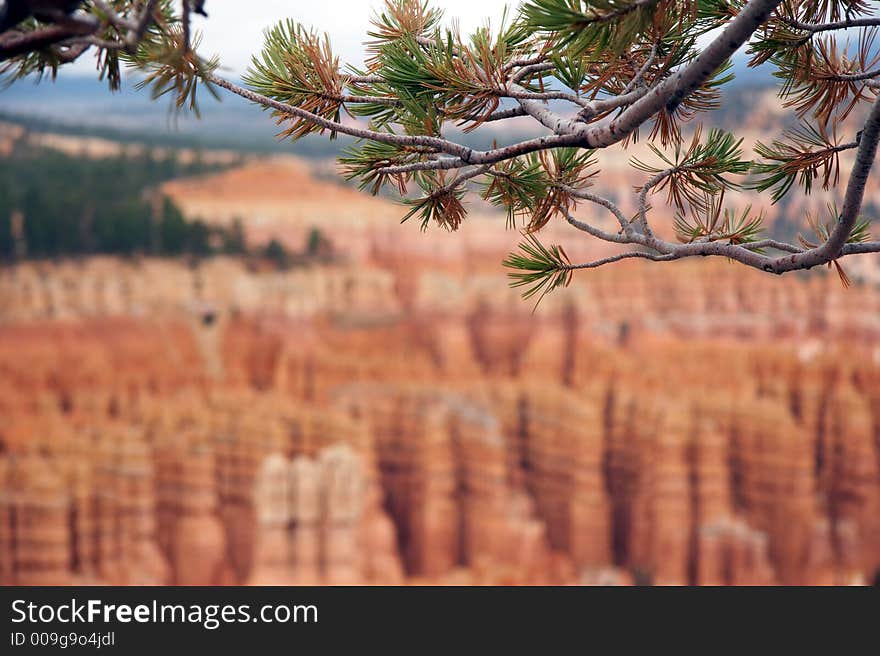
(390, 423)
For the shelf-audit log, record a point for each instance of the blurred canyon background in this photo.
(221, 365)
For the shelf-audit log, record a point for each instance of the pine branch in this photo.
(805, 154)
(537, 268)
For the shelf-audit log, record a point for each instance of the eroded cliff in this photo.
(394, 422)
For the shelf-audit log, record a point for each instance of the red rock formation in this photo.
(35, 537)
(198, 545)
(313, 524)
(703, 426)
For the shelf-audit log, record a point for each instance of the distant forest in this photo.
(55, 205)
(52, 205)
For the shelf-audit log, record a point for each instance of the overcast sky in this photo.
(234, 30)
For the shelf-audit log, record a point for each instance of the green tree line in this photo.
(56, 205)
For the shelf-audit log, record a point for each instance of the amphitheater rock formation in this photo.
(384, 422)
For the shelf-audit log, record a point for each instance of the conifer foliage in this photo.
(590, 74)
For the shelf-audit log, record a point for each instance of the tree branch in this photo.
(640, 74)
(852, 203)
(815, 28)
(617, 258)
(113, 18)
(853, 77)
(625, 225)
(18, 43)
(685, 81)
(861, 249)
(136, 35)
